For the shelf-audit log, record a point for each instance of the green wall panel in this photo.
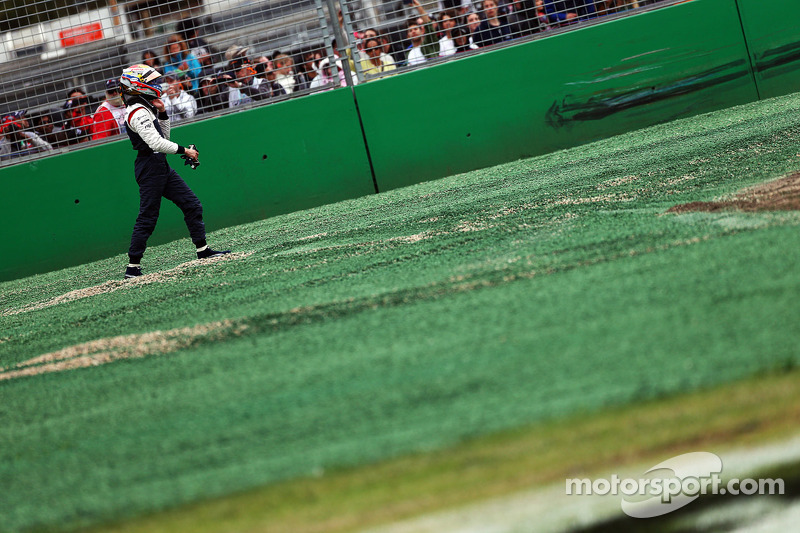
(556, 92)
(80, 206)
(773, 37)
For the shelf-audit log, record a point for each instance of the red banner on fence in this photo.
(81, 34)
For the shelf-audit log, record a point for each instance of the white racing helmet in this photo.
(142, 80)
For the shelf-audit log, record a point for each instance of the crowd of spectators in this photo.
(463, 25)
(192, 85)
(199, 79)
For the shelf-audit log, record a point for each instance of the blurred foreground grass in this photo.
(500, 464)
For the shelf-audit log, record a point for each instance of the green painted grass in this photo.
(407, 322)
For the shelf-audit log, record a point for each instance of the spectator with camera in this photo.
(245, 85)
(264, 81)
(77, 123)
(15, 141)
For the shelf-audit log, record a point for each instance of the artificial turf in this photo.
(403, 322)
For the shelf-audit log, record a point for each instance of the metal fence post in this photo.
(326, 38)
(344, 40)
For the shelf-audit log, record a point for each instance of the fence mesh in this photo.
(59, 59)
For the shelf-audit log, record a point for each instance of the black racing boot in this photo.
(205, 252)
(133, 271)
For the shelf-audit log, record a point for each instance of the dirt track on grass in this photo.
(119, 284)
(779, 195)
(107, 350)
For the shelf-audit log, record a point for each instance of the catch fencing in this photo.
(222, 56)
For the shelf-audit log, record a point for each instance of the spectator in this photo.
(181, 61)
(109, 119)
(236, 52)
(448, 22)
(310, 64)
(213, 95)
(563, 12)
(204, 58)
(386, 48)
(264, 81)
(21, 117)
(325, 74)
(267, 72)
(461, 7)
(375, 60)
(302, 81)
(473, 24)
(15, 141)
(541, 15)
(187, 28)
(461, 40)
(44, 127)
(240, 88)
(179, 104)
(284, 72)
(494, 28)
(522, 18)
(77, 123)
(605, 7)
(81, 95)
(150, 59)
(391, 49)
(369, 33)
(422, 34)
(12, 142)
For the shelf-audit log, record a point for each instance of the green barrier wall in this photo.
(81, 206)
(773, 37)
(556, 92)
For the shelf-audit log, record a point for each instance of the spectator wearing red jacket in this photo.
(77, 124)
(109, 119)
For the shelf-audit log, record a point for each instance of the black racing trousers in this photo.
(158, 180)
